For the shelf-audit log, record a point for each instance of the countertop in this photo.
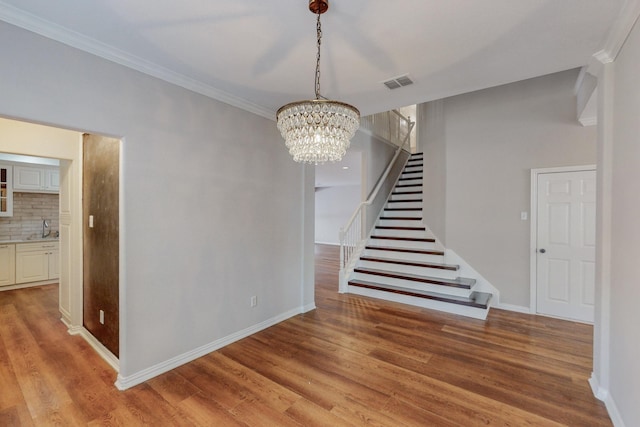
(48, 239)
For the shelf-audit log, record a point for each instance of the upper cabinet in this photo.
(36, 179)
(6, 190)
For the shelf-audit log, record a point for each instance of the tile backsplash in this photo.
(29, 209)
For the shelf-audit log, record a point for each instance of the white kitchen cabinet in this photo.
(54, 263)
(36, 179)
(6, 190)
(37, 262)
(7, 264)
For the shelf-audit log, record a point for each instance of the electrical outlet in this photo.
(254, 301)
(102, 317)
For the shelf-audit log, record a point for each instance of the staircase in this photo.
(402, 261)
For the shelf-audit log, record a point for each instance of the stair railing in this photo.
(390, 125)
(354, 234)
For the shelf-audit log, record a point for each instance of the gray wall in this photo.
(625, 234)
(214, 208)
(492, 139)
(334, 207)
(377, 155)
(431, 134)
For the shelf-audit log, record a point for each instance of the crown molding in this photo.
(35, 24)
(619, 32)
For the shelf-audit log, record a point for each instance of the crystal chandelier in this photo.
(317, 130)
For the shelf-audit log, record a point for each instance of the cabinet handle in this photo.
(5, 246)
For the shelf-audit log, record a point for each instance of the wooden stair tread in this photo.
(398, 193)
(440, 266)
(402, 209)
(408, 250)
(408, 185)
(402, 218)
(459, 282)
(405, 201)
(476, 299)
(409, 239)
(393, 227)
(410, 179)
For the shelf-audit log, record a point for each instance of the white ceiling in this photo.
(259, 55)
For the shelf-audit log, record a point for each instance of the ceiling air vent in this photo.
(397, 82)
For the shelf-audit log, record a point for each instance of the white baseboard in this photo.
(28, 285)
(123, 383)
(603, 394)
(102, 351)
(309, 307)
(515, 308)
(327, 243)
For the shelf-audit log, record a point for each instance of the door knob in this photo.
(543, 251)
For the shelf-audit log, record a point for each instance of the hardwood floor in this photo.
(352, 361)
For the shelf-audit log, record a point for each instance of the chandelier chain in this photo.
(318, 130)
(319, 37)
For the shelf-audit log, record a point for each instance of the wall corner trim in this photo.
(588, 121)
(619, 32)
(309, 307)
(125, 382)
(603, 394)
(102, 351)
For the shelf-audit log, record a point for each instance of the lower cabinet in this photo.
(7, 264)
(36, 262)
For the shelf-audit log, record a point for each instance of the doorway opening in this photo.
(23, 138)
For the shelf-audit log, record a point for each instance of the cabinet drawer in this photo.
(40, 246)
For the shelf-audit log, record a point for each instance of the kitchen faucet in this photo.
(45, 228)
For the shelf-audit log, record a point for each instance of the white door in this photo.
(566, 245)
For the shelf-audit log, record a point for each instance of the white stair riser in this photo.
(404, 205)
(410, 182)
(409, 256)
(447, 290)
(412, 168)
(410, 269)
(406, 196)
(416, 174)
(473, 312)
(400, 223)
(416, 234)
(403, 244)
(406, 189)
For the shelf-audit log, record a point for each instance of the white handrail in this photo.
(353, 234)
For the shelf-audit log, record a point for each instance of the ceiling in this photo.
(259, 55)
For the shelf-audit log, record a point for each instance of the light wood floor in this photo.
(353, 361)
